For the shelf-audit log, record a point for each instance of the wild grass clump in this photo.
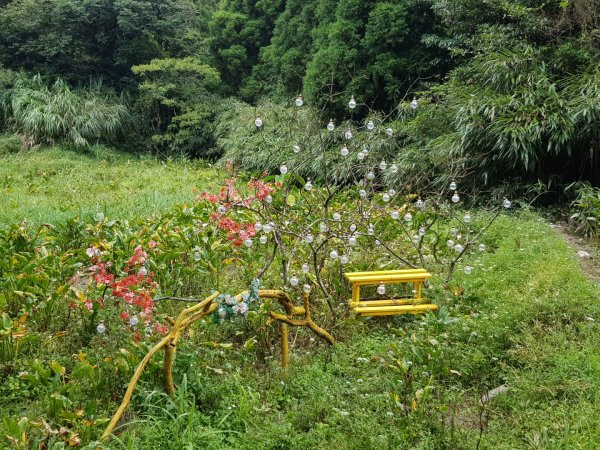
(44, 114)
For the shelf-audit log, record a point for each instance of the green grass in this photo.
(53, 184)
(527, 317)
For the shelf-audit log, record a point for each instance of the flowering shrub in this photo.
(229, 196)
(131, 290)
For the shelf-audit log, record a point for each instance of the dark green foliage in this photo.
(282, 63)
(373, 50)
(68, 37)
(8, 78)
(79, 39)
(179, 100)
(237, 32)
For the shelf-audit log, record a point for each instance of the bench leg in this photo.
(418, 290)
(355, 295)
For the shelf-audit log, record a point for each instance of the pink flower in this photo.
(92, 251)
(152, 244)
(139, 256)
(162, 329)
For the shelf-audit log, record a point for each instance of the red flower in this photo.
(162, 329)
(138, 258)
(207, 197)
(261, 189)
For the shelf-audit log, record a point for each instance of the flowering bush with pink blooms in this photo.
(129, 290)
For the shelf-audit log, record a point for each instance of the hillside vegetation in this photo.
(188, 188)
(506, 91)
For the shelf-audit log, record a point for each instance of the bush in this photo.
(526, 112)
(586, 218)
(43, 114)
(178, 101)
(9, 144)
(416, 140)
(287, 129)
(7, 81)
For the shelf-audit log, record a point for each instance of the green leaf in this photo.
(57, 368)
(6, 322)
(249, 344)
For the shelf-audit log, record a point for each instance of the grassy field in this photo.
(53, 184)
(526, 319)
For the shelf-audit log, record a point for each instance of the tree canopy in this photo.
(511, 85)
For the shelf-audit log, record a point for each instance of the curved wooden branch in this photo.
(169, 340)
(168, 361)
(192, 314)
(285, 348)
(132, 384)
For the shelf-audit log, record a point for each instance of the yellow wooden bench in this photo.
(411, 301)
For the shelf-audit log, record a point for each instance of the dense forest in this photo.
(508, 91)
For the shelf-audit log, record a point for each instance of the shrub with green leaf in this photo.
(586, 215)
(7, 81)
(289, 134)
(179, 100)
(529, 111)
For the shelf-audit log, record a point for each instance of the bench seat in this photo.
(414, 304)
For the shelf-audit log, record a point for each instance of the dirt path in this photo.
(588, 252)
